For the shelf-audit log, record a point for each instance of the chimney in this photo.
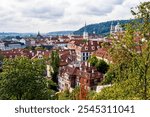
(80, 67)
(70, 52)
(92, 71)
(89, 65)
(32, 53)
(86, 64)
(85, 70)
(67, 60)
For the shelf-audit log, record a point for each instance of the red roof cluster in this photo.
(24, 52)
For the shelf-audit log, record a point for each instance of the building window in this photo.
(83, 54)
(95, 81)
(77, 84)
(87, 54)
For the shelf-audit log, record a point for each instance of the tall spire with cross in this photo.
(85, 33)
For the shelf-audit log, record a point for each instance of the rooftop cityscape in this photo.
(68, 57)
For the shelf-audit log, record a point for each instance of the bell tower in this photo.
(85, 33)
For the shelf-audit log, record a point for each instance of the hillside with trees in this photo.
(100, 28)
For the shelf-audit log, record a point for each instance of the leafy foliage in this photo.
(54, 62)
(108, 78)
(1, 57)
(39, 48)
(93, 60)
(131, 56)
(75, 93)
(102, 66)
(23, 79)
(66, 95)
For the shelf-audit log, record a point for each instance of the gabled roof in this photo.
(103, 53)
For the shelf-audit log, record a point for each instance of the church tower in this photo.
(85, 33)
(39, 36)
(112, 28)
(118, 28)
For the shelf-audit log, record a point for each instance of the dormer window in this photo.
(40, 56)
(93, 48)
(86, 48)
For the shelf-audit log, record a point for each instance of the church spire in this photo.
(111, 28)
(38, 33)
(85, 27)
(85, 33)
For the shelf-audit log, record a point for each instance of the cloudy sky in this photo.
(57, 15)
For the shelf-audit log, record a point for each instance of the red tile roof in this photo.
(103, 53)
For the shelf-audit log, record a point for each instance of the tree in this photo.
(143, 13)
(108, 78)
(102, 66)
(91, 94)
(39, 48)
(64, 95)
(93, 60)
(105, 44)
(131, 55)
(125, 90)
(23, 79)
(54, 62)
(74, 95)
(1, 56)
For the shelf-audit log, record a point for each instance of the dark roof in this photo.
(7, 43)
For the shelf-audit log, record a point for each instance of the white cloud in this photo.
(53, 15)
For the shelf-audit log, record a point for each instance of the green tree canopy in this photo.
(131, 55)
(93, 60)
(23, 79)
(102, 66)
(54, 62)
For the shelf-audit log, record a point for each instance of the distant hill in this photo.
(10, 35)
(60, 33)
(100, 28)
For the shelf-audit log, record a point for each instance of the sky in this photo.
(60, 15)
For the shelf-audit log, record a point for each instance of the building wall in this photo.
(64, 82)
(2, 46)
